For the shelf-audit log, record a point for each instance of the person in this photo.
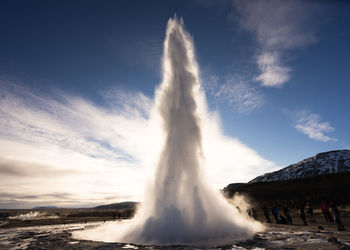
(336, 215)
(249, 213)
(310, 212)
(267, 215)
(302, 214)
(325, 211)
(286, 213)
(275, 213)
(254, 213)
(282, 220)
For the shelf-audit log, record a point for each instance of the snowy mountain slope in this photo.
(323, 163)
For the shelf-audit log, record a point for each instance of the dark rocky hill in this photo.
(325, 176)
(121, 205)
(323, 163)
(44, 207)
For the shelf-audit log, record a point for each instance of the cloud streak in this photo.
(49, 142)
(237, 93)
(241, 96)
(279, 27)
(310, 125)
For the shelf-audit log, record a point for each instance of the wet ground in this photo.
(275, 237)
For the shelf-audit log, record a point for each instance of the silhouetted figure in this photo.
(119, 215)
(336, 214)
(282, 220)
(325, 211)
(254, 213)
(249, 212)
(267, 215)
(302, 214)
(113, 216)
(275, 213)
(310, 212)
(286, 213)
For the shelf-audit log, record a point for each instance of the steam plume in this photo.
(181, 208)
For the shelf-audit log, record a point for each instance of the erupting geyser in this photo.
(181, 208)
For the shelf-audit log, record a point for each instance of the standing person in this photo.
(267, 215)
(275, 213)
(310, 212)
(336, 214)
(249, 213)
(286, 213)
(325, 211)
(302, 214)
(282, 220)
(254, 213)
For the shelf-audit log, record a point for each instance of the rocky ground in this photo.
(277, 236)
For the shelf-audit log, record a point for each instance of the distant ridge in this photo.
(331, 162)
(45, 207)
(120, 205)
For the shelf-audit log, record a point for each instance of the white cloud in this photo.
(67, 134)
(237, 93)
(128, 102)
(241, 96)
(210, 82)
(55, 144)
(279, 26)
(310, 125)
(273, 74)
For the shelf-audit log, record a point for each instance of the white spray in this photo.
(180, 207)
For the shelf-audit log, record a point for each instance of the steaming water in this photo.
(180, 208)
(34, 216)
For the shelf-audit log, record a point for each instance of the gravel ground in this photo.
(275, 237)
(45, 234)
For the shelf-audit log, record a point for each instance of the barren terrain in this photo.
(56, 233)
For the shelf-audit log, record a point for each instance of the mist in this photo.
(180, 206)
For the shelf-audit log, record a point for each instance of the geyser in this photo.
(180, 207)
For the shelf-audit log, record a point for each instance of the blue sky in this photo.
(275, 73)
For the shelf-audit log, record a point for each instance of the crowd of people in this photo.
(330, 212)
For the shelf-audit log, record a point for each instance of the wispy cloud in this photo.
(311, 125)
(279, 27)
(237, 93)
(273, 74)
(241, 96)
(12, 168)
(50, 141)
(95, 154)
(128, 102)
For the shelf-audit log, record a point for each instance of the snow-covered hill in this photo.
(323, 163)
